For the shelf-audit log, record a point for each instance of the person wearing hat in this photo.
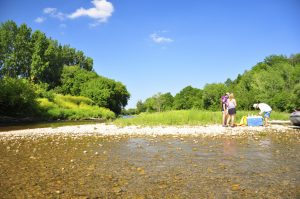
(224, 105)
(264, 109)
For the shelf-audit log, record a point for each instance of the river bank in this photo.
(111, 130)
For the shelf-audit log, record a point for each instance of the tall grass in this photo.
(73, 99)
(73, 108)
(188, 117)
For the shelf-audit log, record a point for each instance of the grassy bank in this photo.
(188, 117)
(72, 108)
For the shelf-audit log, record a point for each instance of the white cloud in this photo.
(101, 11)
(52, 12)
(49, 10)
(160, 39)
(40, 19)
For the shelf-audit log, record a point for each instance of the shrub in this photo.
(73, 107)
(17, 98)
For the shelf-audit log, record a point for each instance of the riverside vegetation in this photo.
(275, 81)
(187, 117)
(39, 77)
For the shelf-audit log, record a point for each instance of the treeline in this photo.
(31, 55)
(275, 81)
(43, 67)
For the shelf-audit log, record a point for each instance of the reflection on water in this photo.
(151, 167)
(229, 148)
(53, 124)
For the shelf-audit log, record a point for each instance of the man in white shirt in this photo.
(266, 109)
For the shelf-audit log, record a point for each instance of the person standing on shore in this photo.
(231, 110)
(264, 109)
(224, 100)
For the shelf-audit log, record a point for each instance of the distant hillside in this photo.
(275, 81)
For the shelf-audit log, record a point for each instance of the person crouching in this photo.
(264, 109)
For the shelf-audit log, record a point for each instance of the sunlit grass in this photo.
(72, 107)
(188, 117)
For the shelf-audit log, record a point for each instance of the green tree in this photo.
(150, 105)
(106, 93)
(271, 81)
(17, 98)
(228, 82)
(275, 59)
(72, 79)
(23, 51)
(53, 58)
(8, 33)
(295, 59)
(39, 64)
(244, 92)
(212, 94)
(71, 57)
(167, 101)
(103, 91)
(157, 103)
(140, 107)
(68, 55)
(188, 98)
(83, 62)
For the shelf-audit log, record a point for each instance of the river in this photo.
(266, 165)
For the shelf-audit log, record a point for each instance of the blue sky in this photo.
(163, 46)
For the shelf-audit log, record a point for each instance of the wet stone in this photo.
(151, 166)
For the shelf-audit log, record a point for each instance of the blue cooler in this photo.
(255, 121)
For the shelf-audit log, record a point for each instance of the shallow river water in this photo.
(266, 165)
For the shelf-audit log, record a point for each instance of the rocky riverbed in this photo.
(110, 130)
(106, 161)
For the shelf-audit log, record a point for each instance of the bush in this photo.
(45, 104)
(17, 98)
(72, 107)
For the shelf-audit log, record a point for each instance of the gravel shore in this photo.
(111, 130)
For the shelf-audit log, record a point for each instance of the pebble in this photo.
(110, 129)
(235, 187)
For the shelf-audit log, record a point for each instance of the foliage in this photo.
(17, 98)
(72, 107)
(31, 57)
(72, 79)
(188, 98)
(187, 117)
(140, 107)
(103, 91)
(34, 56)
(127, 112)
(157, 103)
(55, 68)
(274, 81)
(166, 101)
(212, 94)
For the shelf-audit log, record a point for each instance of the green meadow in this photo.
(188, 117)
